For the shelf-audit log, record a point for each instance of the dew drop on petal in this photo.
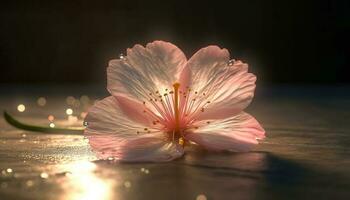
(231, 62)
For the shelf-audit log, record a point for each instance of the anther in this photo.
(181, 141)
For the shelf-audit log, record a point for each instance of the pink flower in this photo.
(162, 102)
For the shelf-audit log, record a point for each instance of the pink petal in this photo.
(238, 133)
(143, 149)
(228, 87)
(204, 64)
(233, 96)
(111, 133)
(145, 70)
(134, 110)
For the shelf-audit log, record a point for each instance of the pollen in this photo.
(181, 141)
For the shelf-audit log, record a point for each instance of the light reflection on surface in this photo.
(82, 183)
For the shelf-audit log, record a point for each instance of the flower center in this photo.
(175, 110)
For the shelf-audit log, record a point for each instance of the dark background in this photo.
(69, 41)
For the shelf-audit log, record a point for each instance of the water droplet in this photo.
(146, 171)
(44, 175)
(121, 56)
(231, 62)
(52, 125)
(142, 169)
(9, 170)
(85, 123)
(24, 135)
(69, 111)
(21, 108)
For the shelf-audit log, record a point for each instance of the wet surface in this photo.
(306, 154)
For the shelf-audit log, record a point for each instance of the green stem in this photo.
(71, 131)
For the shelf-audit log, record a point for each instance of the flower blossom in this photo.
(161, 102)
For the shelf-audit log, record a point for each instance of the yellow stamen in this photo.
(181, 141)
(176, 107)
